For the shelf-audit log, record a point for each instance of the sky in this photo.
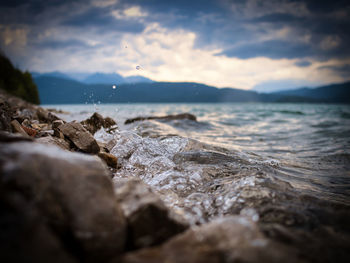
(263, 45)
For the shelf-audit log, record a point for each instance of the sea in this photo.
(265, 160)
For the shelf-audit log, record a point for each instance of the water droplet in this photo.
(114, 86)
(99, 102)
(138, 67)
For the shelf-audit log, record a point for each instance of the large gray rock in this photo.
(72, 193)
(150, 222)
(81, 138)
(25, 236)
(232, 239)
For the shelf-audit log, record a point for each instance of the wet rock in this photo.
(25, 236)
(49, 140)
(56, 124)
(16, 127)
(31, 132)
(5, 115)
(96, 122)
(150, 222)
(81, 138)
(41, 126)
(231, 239)
(13, 137)
(45, 115)
(56, 131)
(57, 111)
(109, 159)
(72, 194)
(182, 116)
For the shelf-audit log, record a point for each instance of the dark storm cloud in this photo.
(274, 49)
(294, 29)
(303, 63)
(100, 17)
(234, 25)
(342, 70)
(324, 6)
(59, 44)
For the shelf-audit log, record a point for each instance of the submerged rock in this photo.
(150, 222)
(96, 122)
(74, 198)
(231, 239)
(182, 116)
(81, 138)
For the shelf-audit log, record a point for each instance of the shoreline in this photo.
(80, 214)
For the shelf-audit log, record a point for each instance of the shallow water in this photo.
(236, 157)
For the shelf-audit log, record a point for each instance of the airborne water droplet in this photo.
(114, 86)
(138, 67)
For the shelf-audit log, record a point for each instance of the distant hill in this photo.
(339, 93)
(16, 82)
(103, 78)
(55, 74)
(137, 79)
(95, 78)
(55, 90)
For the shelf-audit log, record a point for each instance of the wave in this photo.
(290, 112)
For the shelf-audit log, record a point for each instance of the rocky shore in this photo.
(59, 204)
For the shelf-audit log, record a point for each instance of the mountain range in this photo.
(58, 88)
(94, 78)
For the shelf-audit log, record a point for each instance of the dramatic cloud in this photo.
(241, 43)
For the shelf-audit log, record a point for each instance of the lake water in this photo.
(236, 156)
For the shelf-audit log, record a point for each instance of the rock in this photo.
(25, 236)
(57, 111)
(56, 131)
(31, 132)
(150, 222)
(231, 239)
(16, 127)
(72, 194)
(45, 115)
(182, 116)
(5, 115)
(81, 138)
(41, 126)
(56, 124)
(96, 122)
(109, 159)
(13, 137)
(49, 140)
